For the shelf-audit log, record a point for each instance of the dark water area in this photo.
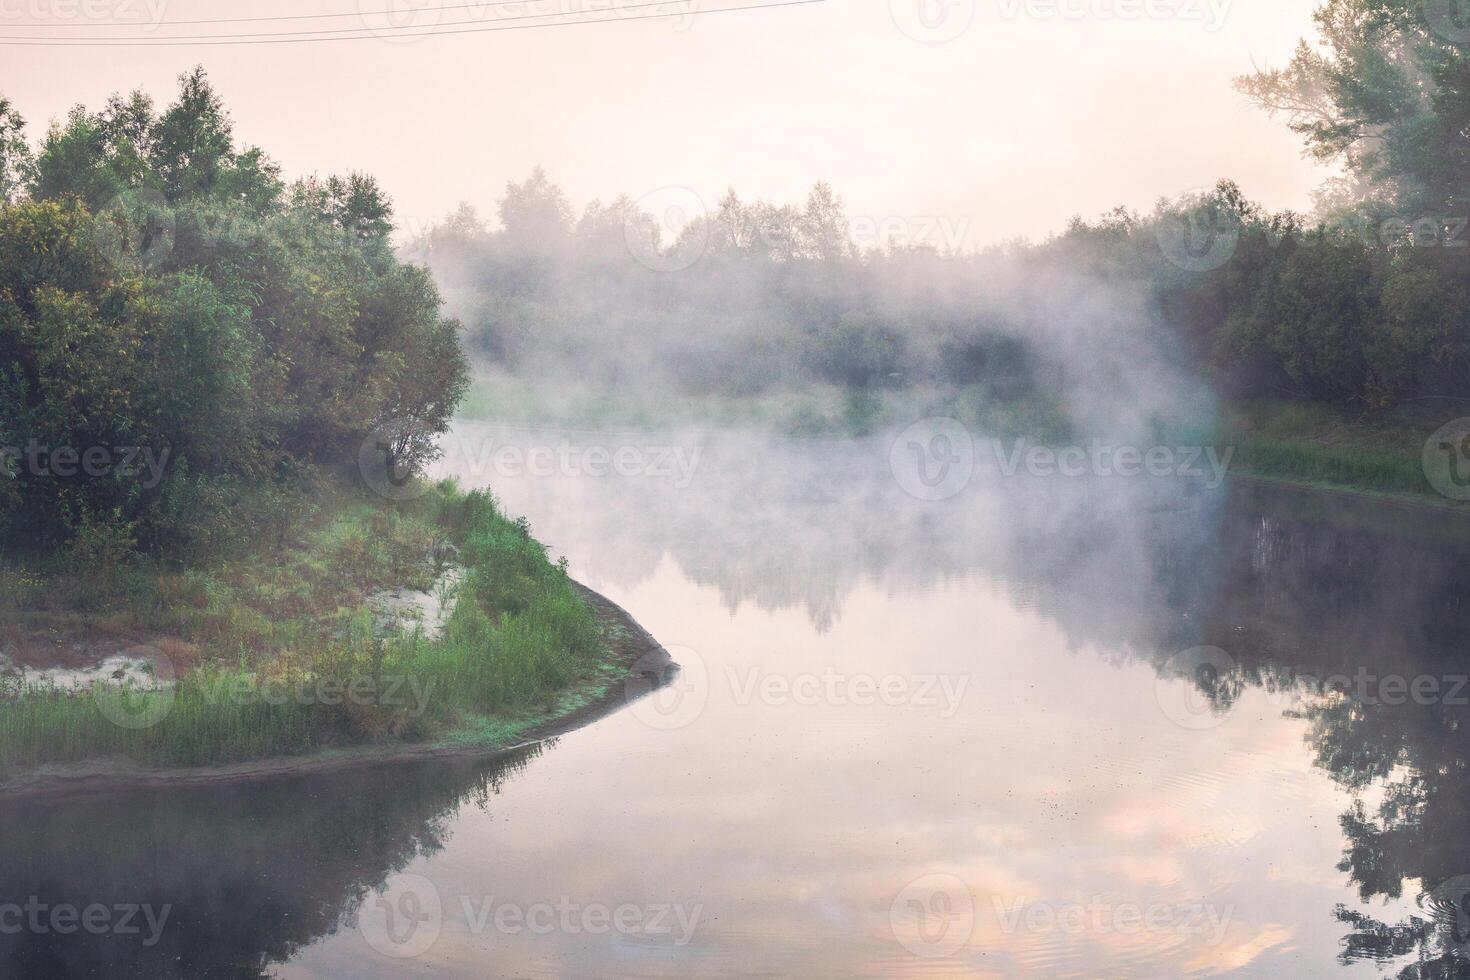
(1042, 727)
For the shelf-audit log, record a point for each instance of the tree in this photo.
(824, 229)
(1386, 93)
(355, 204)
(80, 157)
(535, 214)
(15, 153)
(192, 142)
(256, 333)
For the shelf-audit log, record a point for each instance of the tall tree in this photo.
(1385, 91)
(535, 213)
(15, 152)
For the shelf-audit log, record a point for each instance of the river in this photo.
(1021, 726)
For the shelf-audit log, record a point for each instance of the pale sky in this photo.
(1007, 128)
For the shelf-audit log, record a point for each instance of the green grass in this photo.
(280, 656)
(1318, 446)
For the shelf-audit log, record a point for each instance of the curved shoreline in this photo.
(640, 662)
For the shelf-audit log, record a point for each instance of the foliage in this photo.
(1385, 91)
(1270, 307)
(163, 294)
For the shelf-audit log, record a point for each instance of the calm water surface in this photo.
(1039, 728)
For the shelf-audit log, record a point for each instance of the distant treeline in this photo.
(1360, 313)
(166, 297)
(1362, 306)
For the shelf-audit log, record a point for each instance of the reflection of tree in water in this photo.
(252, 872)
(1315, 601)
(1291, 584)
(1415, 755)
(783, 523)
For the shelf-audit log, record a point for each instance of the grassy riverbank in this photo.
(281, 653)
(1312, 445)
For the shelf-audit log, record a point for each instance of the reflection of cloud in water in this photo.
(1289, 583)
(1061, 780)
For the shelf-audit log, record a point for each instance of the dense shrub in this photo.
(163, 296)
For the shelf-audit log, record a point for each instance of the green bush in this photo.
(162, 294)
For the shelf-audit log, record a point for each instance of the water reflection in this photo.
(1070, 778)
(219, 882)
(1316, 599)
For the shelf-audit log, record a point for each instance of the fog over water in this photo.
(1011, 418)
(1044, 762)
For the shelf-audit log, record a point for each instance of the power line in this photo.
(323, 33)
(297, 37)
(247, 20)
